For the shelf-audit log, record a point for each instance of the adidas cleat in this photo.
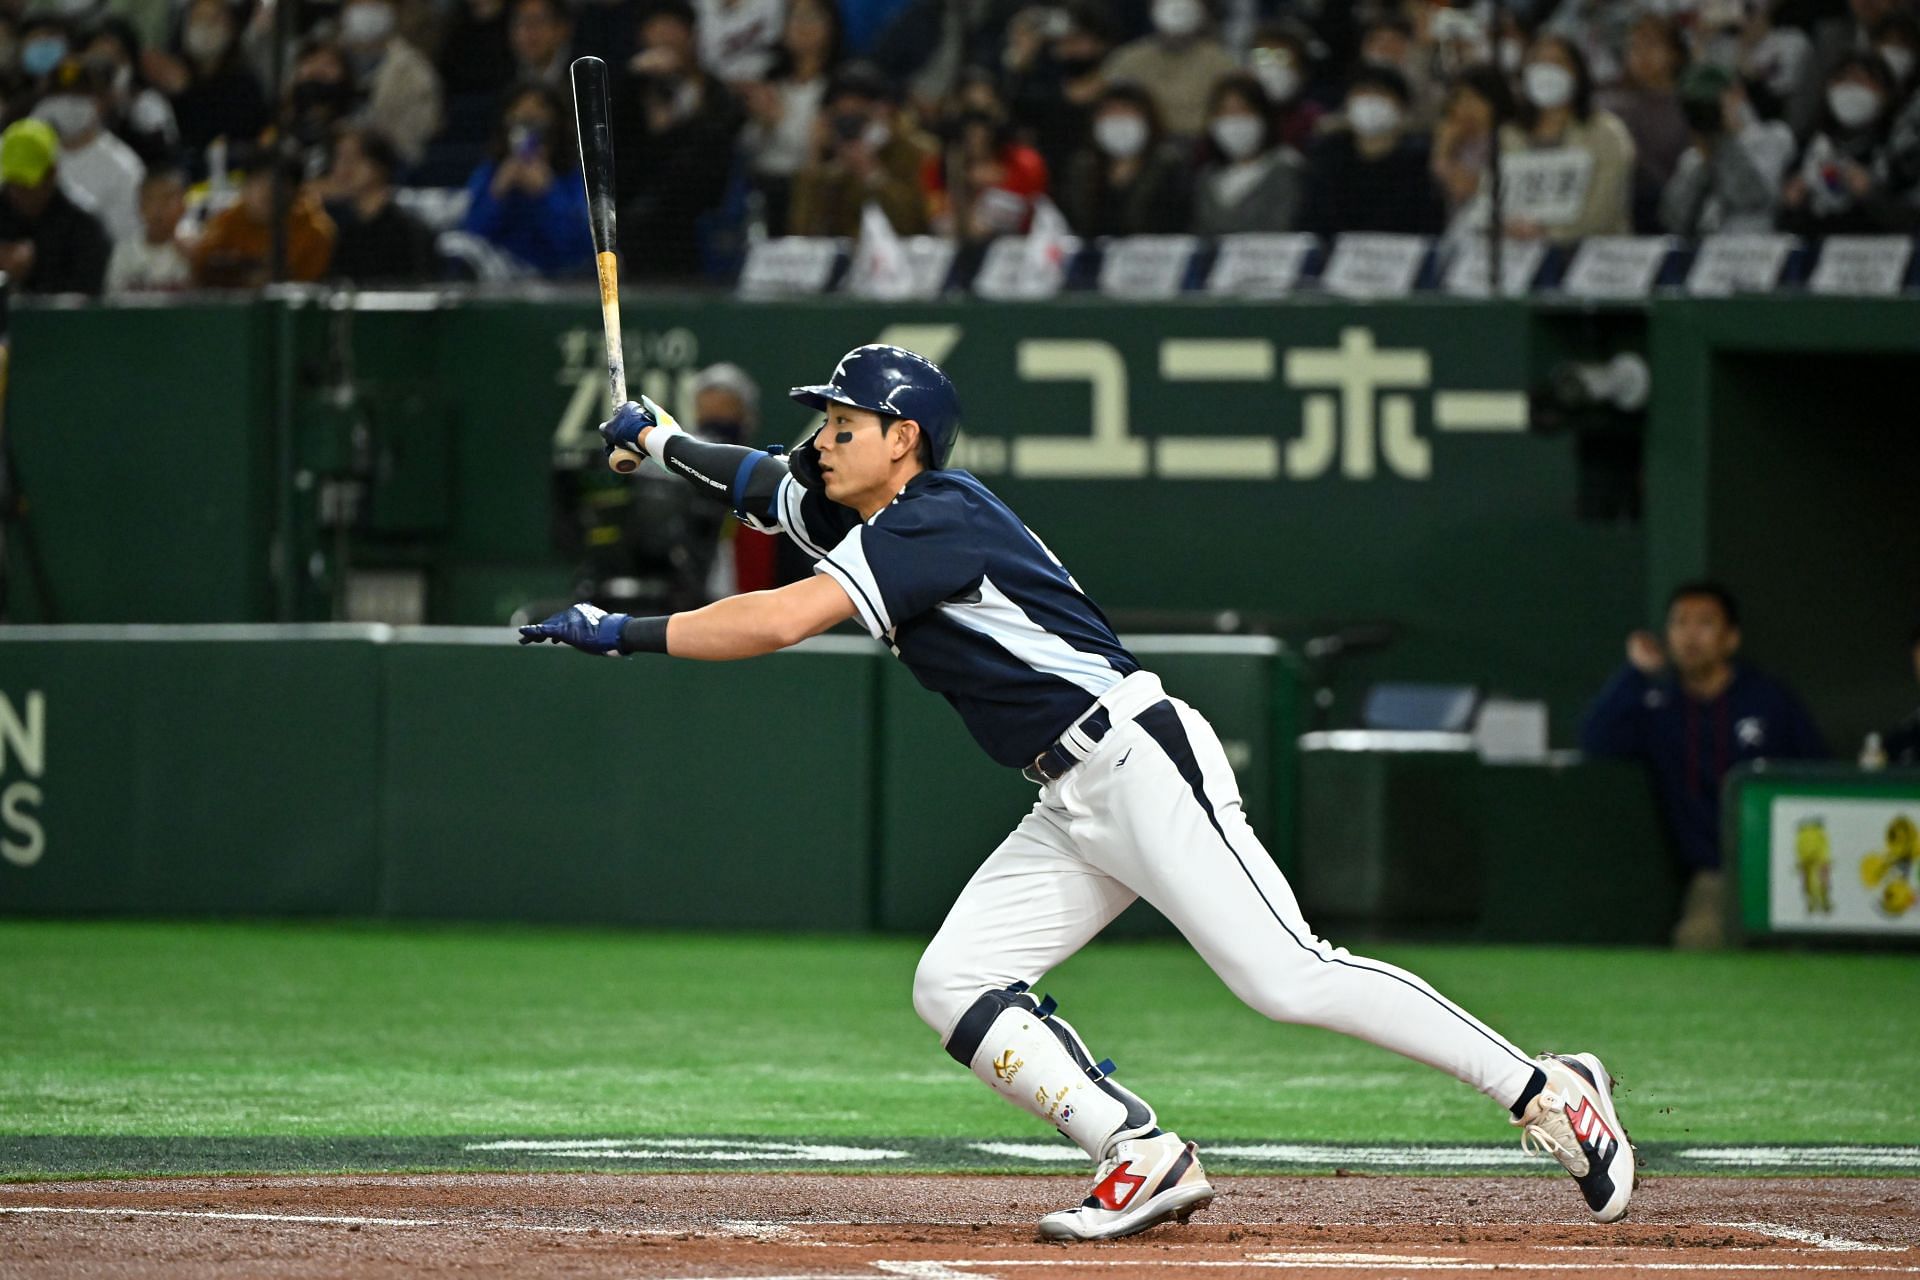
(1573, 1121)
(1143, 1182)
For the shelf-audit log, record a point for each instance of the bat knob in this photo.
(625, 461)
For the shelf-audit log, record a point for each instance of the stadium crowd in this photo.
(424, 139)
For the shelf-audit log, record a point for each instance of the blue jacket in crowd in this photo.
(548, 232)
(1689, 745)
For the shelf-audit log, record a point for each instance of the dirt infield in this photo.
(951, 1227)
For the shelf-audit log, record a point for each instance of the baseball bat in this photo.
(594, 119)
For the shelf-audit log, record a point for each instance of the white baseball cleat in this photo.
(1572, 1119)
(1142, 1183)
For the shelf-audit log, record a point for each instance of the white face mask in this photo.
(1372, 115)
(1121, 137)
(366, 23)
(69, 114)
(1853, 105)
(1276, 74)
(1177, 17)
(1512, 53)
(1548, 85)
(1238, 136)
(204, 41)
(1899, 60)
(877, 135)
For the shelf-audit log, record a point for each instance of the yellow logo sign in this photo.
(1006, 1066)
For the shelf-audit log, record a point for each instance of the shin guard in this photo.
(1023, 1052)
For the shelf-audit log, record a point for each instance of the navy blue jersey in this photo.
(975, 605)
(1689, 745)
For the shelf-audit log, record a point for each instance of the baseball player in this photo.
(1136, 798)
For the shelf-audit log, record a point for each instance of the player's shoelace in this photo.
(1545, 1133)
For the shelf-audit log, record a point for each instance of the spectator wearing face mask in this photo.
(1372, 175)
(1392, 43)
(1836, 40)
(214, 94)
(45, 41)
(863, 150)
(1728, 179)
(1132, 180)
(154, 260)
(136, 112)
(96, 168)
(528, 200)
(1051, 64)
(400, 90)
(1178, 64)
(1281, 60)
(726, 410)
(1846, 180)
(1647, 101)
(48, 242)
(1249, 179)
(319, 97)
(1581, 156)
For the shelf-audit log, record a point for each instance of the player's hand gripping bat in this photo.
(594, 117)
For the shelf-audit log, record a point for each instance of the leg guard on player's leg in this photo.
(1038, 1063)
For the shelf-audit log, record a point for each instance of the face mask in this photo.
(1512, 52)
(722, 430)
(1853, 105)
(1074, 68)
(1121, 137)
(1722, 51)
(1238, 136)
(69, 113)
(1177, 18)
(366, 23)
(876, 135)
(204, 41)
(71, 9)
(1899, 60)
(1372, 116)
(1548, 85)
(42, 54)
(1277, 75)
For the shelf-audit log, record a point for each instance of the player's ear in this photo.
(904, 445)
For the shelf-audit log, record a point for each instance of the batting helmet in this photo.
(895, 382)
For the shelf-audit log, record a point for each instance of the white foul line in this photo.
(350, 1221)
(1819, 1239)
(1373, 1262)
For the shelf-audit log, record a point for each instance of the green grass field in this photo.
(324, 1031)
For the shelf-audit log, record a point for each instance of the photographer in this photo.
(863, 149)
(1728, 178)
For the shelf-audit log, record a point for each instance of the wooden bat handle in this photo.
(625, 461)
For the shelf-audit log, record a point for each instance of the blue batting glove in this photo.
(622, 431)
(584, 626)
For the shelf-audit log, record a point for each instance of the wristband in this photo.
(644, 635)
(658, 437)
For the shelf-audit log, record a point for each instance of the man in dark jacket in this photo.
(1374, 174)
(48, 244)
(1692, 714)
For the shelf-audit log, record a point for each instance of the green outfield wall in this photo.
(1297, 466)
(336, 769)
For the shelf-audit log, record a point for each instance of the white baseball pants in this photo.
(1154, 812)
